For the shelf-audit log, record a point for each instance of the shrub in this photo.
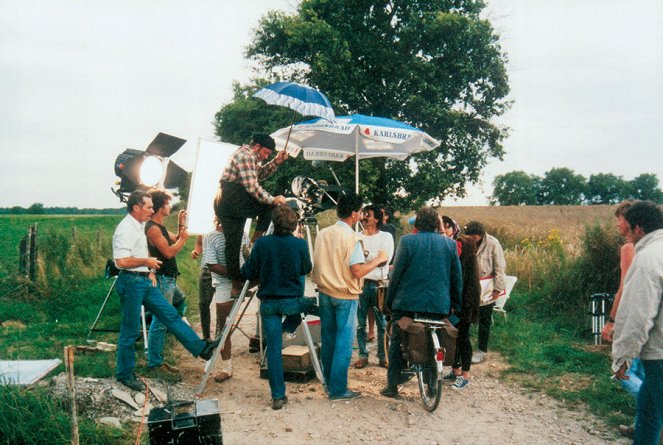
(596, 269)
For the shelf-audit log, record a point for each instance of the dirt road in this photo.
(486, 412)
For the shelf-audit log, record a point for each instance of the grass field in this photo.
(548, 349)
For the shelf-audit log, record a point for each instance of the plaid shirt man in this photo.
(245, 170)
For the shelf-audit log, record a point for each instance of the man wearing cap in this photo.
(242, 197)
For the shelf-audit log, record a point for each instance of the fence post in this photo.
(27, 257)
(32, 267)
(71, 388)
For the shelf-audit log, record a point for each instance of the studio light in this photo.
(150, 168)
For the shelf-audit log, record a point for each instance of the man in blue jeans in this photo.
(136, 284)
(339, 266)
(280, 261)
(639, 322)
(164, 245)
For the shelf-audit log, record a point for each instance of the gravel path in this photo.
(488, 411)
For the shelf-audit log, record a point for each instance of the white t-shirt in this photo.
(129, 241)
(214, 252)
(379, 241)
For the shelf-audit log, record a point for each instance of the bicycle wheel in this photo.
(430, 388)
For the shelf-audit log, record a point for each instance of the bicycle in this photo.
(426, 366)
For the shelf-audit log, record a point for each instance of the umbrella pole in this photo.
(357, 162)
(292, 122)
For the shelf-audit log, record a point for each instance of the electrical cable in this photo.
(142, 418)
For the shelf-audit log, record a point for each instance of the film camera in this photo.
(310, 197)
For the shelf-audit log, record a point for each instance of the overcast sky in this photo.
(80, 81)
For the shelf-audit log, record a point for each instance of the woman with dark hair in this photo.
(450, 227)
(492, 265)
(469, 313)
(280, 261)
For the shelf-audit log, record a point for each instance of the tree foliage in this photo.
(432, 64)
(606, 188)
(515, 188)
(645, 186)
(564, 186)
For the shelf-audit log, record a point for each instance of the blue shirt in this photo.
(280, 263)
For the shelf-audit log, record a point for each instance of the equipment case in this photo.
(180, 423)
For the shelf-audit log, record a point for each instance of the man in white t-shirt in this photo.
(214, 257)
(373, 240)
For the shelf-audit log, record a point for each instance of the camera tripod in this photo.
(94, 328)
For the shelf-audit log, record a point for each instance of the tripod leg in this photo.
(142, 317)
(314, 354)
(103, 305)
(230, 321)
(309, 239)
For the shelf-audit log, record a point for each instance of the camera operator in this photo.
(242, 197)
(280, 261)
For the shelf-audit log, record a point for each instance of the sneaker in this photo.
(278, 403)
(209, 348)
(449, 378)
(349, 395)
(132, 383)
(478, 356)
(390, 391)
(461, 382)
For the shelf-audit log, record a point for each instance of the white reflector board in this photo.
(211, 160)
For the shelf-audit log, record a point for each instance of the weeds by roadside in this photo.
(554, 360)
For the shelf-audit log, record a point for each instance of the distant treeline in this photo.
(39, 209)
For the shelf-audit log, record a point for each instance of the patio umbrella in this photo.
(355, 135)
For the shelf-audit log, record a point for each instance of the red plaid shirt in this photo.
(245, 170)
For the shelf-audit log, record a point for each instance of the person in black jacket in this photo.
(280, 262)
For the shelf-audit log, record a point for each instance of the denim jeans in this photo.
(636, 374)
(135, 290)
(337, 327)
(157, 336)
(649, 407)
(368, 301)
(272, 312)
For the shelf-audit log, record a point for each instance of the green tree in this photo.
(515, 188)
(606, 188)
(433, 64)
(645, 186)
(562, 186)
(36, 209)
